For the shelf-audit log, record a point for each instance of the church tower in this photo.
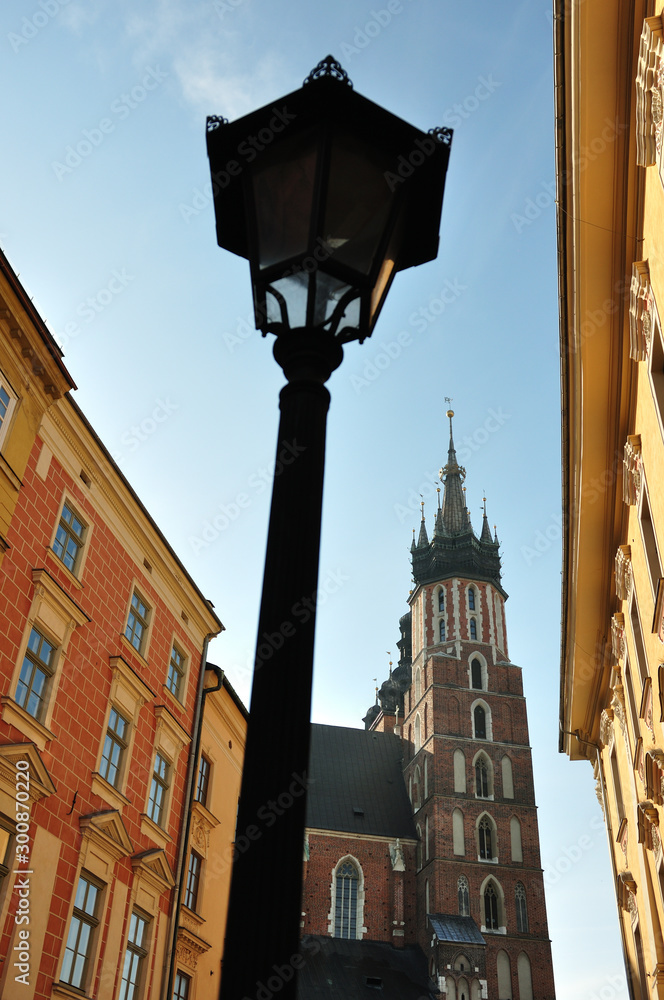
(457, 702)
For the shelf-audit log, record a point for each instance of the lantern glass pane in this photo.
(328, 294)
(283, 197)
(359, 200)
(294, 290)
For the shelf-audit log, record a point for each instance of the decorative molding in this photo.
(654, 776)
(606, 727)
(649, 85)
(108, 833)
(641, 309)
(152, 866)
(618, 636)
(624, 576)
(647, 818)
(632, 469)
(396, 857)
(626, 887)
(41, 784)
(646, 710)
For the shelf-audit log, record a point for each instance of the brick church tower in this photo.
(458, 703)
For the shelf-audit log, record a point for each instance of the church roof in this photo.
(341, 969)
(452, 927)
(356, 783)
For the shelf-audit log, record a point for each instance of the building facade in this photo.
(444, 862)
(103, 642)
(610, 173)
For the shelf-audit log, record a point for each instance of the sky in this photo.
(107, 217)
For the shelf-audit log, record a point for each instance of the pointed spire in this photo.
(495, 536)
(455, 517)
(486, 531)
(423, 539)
(413, 546)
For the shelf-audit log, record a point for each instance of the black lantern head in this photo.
(328, 195)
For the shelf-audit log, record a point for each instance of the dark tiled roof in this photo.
(337, 969)
(356, 783)
(448, 927)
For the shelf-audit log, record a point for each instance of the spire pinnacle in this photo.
(454, 516)
(486, 531)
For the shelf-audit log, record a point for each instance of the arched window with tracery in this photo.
(479, 716)
(471, 598)
(476, 674)
(441, 600)
(463, 895)
(485, 838)
(491, 908)
(441, 630)
(482, 777)
(345, 902)
(521, 908)
(473, 628)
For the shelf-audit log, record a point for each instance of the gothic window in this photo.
(426, 776)
(481, 778)
(463, 895)
(473, 628)
(418, 733)
(459, 771)
(504, 976)
(458, 833)
(425, 722)
(525, 977)
(345, 903)
(491, 908)
(441, 629)
(485, 836)
(508, 777)
(418, 684)
(479, 716)
(521, 909)
(426, 838)
(418, 848)
(417, 802)
(441, 599)
(476, 674)
(515, 839)
(471, 599)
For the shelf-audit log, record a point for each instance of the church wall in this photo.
(377, 886)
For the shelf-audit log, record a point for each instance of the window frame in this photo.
(163, 782)
(178, 670)
(90, 920)
(203, 779)
(192, 886)
(117, 740)
(346, 900)
(12, 401)
(181, 979)
(48, 669)
(76, 569)
(143, 621)
(463, 896)
(136, 953)
(521, 906)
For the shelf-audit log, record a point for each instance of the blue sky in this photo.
(106, 214)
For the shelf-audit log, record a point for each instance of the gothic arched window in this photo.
(463, 894)
(521, 908)
(480, 722)
(345, 903)
(481, 778)
(418, 684)
(471, 599)
(473, 628)
(491, 908)
(441, 599)
(441, 630)
(418, 733)
(476, 674)
(485, 839)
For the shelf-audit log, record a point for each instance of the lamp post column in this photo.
(263, 929)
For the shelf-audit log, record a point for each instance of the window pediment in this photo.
(40, 781)
(108, 834)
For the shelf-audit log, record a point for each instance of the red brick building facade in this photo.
(462, 880)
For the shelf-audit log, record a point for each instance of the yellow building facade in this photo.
(609, 65)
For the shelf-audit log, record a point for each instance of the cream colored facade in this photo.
(610, 179)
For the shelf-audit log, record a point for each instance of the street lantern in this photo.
(328, 196)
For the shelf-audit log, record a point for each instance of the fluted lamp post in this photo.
(328, 195)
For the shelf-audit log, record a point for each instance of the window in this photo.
(176, 668)
(476, 674)
(441, 600)
(417, 802)
(521, 909)
(515, 839)
(158, 789)
(617, 788)
(473, 628)
(485, 839)
(345, 904)
(418, 733)
(80, 940)
(418, 684)
(459, 771)
(69, 538)
(134, 957)
(193, 880)
(458, 833)
(508, 777)
(650, 541)
(137, 623)
(471, 599)
(115, 746)
(203, 780)
(181, 987)
(7, 402)
(441, 630)
(481, 778)
(491, 908)
(38, 665)
(463, 895)
(479, 716)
